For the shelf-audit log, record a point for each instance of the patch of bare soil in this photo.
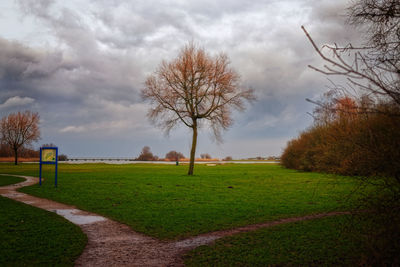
(114, 244)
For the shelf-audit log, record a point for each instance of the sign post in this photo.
(48, 155)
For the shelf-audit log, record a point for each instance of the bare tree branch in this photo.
(192, 87)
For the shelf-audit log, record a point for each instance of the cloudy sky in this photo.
(81, 64)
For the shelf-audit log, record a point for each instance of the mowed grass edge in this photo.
(162, 201)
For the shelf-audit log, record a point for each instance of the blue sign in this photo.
(48, 155)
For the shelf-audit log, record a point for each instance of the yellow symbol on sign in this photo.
(48, 155)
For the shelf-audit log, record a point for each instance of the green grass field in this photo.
(162, 201)
(7, 180)
(320, 242)
(33, 237)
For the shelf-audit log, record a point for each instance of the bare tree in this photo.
(373, 69)
(49, 145)
(62, 157)
(173, 155)
(205, 156)
(146, 155)
(382, 21)
(192, 87)
(19, 129)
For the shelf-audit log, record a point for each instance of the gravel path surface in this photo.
(111, 243)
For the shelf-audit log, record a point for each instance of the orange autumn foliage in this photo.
(352, 143)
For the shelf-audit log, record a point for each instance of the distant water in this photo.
(116, 162)
(164, 162)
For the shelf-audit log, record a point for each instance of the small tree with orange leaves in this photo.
(19, 129)
(192, 88)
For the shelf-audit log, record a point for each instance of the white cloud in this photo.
(16, 101)
(73, 129)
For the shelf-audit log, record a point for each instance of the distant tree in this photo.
(62, 157)
(146, 155)
(49, 145)
(28, 152)
(192, 88)
(19, 129)
(173, 155)
(227, 158)
(25, 151)
(5, 150)
(205, 156)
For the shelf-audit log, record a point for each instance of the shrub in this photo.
(205, 156)
(363, 144)
(62, 157)
(173, 155)
(146, 155)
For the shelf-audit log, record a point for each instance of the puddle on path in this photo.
(13, 195)
(29, 202)
(195, 242)
(70, 215)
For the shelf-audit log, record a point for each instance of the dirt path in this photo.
(111, 243)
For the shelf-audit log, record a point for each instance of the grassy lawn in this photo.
(322, 242)
(162, 201)
(7, 180)
(33, 237)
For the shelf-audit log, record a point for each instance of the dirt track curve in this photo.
(111, 243)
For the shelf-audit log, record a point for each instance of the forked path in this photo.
(111, 243)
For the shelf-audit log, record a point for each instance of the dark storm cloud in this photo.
(18, 62)
(23, 70)
(90, 71)
(328, 20)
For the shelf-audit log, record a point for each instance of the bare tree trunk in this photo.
(16, 156)
(193, 150)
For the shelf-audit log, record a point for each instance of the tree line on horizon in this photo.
(147, 155)
(171, 155)
(24, 152)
